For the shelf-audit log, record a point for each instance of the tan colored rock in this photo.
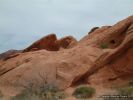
(115, 33)
(95, 32)
(6, 55)
(62, 67)
(86, 60)
(117, 62)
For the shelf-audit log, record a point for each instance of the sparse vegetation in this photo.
(126, 90)
(84, 92)
(40, 91)
(104, 46)
(47, 92)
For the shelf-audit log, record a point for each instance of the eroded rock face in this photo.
(67, 42)
(118, 60)
(110, 36)
(47, 42)
(86, 60)
(51, 43)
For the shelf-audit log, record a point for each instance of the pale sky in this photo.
(24, 21)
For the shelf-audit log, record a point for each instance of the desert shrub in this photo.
(84, 92)
(51, 92)
(128, 90)
(46, 92)
(39, 90)
(104, 46)
(26, 95)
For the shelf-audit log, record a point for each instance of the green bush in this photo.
(84, 92)
(104, 46)
(46, 92)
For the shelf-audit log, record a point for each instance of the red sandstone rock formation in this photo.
(51, 43)
(67, 42)
(87, 59)
(47, 42)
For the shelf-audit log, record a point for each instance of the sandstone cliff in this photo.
(105, 56)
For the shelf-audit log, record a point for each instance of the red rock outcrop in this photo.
(47, 42)
(67, 42)
(51, 43)
(87, 60)
(118, 59)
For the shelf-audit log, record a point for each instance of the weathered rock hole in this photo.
(112, 41)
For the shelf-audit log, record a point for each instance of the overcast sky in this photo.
(25, 21)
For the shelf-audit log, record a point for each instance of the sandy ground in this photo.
(99, 92)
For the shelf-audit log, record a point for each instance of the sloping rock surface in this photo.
(87, 60)
(9, 53)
